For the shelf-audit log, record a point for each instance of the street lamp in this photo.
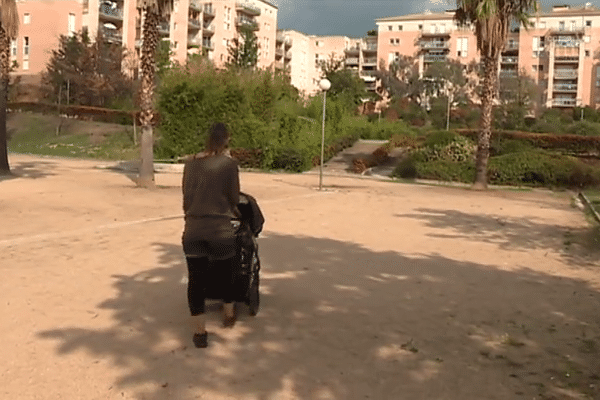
(324, 84)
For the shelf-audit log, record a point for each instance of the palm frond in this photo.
(9, 18)
(161, 7)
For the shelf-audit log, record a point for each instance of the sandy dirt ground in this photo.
(370, 290)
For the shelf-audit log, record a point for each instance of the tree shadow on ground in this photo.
(339, 321)
(579, 247)
(30, 170)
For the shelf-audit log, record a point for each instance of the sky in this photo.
(354, 18)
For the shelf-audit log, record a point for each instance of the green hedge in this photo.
(524, 168)
(573, 144)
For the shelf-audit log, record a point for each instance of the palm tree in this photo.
(492, 20)
(152, 12)
(9, 26)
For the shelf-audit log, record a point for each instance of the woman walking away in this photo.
(211, 190)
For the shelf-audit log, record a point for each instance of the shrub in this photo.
(540, 168)
(406, 169)
(440, 138)
(248, 158)
(444, 170)
(289, 159)
(507, 146)
(585, 128)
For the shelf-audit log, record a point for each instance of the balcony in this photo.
(511, 46)
(351, 61)
(566, 59)
(208, 11)
(279, 65)
(278, 52)
(280, 37)
(510, 60)
(195, 5)
(576, 31)
(194, 24)
(566, 42)
(288, 55)
(565, 87)
(288, 42)
(208, 30)
(370, 48)
(109, 13)
(352, 50)
(371, 61)
(566, 73)
(428, 58)
(163, 28)
(246, 22)
(208, 45)
(247, 8)
(371, 73)
(436, 33)
(509, 73)
(564, 102)
(432, 44)
(371, 86)
(193, 42)
(112, 35)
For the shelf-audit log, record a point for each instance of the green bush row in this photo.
(523, 168)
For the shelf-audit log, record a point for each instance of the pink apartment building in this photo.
(308, 51)
(192, 27)
(560, 51)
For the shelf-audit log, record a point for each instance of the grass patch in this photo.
(36, 134)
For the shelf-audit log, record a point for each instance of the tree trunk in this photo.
(4, 69)
(148, 64)
(490, 81)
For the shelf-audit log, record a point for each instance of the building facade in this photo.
(560, 52)
(193, 27)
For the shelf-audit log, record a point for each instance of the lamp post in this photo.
(324, 84)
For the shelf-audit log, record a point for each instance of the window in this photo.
(25, 47)
(534, 68)
(588, 23)
(587, 39)
(420, 27)
(397, 41)
(25, 65)
(536, 43)
(542, 25)
(561, 25)
(462, 45)
(573, 25)
(389, 28)
(587, 53)
(391, 41)
(400, 27)
(541, 68)
(26, 18)
(535, 54)
(13, 48)
(71, 24)
(443, 28)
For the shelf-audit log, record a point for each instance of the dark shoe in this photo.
(201, 340)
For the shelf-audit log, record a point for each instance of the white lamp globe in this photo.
(324, 84)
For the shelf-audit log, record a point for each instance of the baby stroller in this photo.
(246, 279)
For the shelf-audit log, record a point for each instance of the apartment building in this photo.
(194, 26)
(40, 25)
(560, 51)
(305, 54)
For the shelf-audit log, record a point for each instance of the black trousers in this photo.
(199, 276)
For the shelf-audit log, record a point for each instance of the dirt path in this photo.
(370, 290)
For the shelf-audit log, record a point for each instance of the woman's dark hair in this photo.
(218, 138)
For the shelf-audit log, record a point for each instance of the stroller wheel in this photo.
(254, 297)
